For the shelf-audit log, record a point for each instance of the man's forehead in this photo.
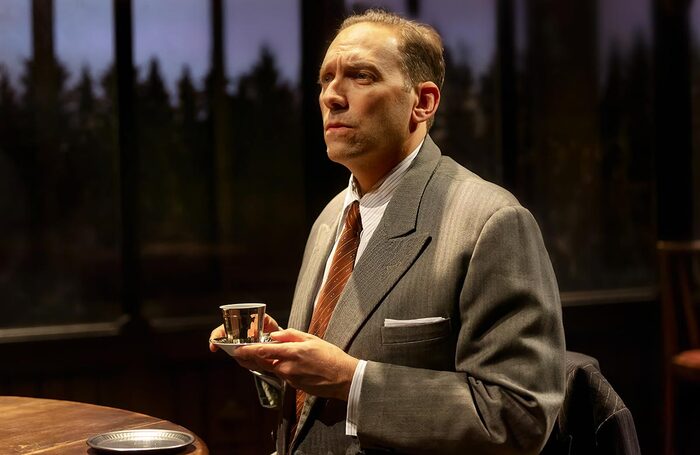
(364, 40)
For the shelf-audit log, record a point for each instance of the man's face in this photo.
(365, 104)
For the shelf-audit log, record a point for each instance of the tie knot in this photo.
(353, 222)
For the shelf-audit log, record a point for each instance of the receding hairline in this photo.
(398, 28)
(406, 32)
(396, 31)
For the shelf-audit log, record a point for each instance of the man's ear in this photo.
(427, 102)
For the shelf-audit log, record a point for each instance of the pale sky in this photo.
(177, 32)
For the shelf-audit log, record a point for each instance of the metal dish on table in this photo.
(141, 440)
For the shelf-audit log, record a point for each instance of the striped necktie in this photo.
(342, 266)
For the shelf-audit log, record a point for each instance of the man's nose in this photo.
(333, 95)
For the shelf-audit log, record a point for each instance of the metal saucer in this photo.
(141, 440)
(229, 346)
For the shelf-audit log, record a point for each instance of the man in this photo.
(445, 331)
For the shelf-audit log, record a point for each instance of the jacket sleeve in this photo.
(508, 380)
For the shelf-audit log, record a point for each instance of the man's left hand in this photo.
(304, 361)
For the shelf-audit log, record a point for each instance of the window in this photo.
(221, 172)
(225, 194)
(585, 138)
(695, 105)
(59, 259)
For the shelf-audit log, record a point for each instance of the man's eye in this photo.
(363, 76)
(325, 79)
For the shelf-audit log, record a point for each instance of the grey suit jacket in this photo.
(594, 420)
(487, 379)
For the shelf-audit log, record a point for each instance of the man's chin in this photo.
(342, 154)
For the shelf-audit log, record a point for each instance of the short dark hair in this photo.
(420, 45)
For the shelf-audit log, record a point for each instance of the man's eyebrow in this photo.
(354, 66)
(363, 66)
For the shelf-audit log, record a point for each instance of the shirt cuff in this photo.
(354, 399)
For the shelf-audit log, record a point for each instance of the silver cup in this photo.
(244, 322)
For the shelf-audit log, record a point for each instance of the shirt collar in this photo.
(384, 185)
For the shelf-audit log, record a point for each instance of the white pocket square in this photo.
(411, 322)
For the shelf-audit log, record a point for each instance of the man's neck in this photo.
(368, 174)
(366, 181)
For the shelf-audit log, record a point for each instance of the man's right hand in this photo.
(270, 325)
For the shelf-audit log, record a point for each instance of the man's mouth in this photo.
(336, 126)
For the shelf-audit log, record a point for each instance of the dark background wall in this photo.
(137, 198)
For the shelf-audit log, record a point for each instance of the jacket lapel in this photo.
(394, 247)
(309, 281)
(310, 277)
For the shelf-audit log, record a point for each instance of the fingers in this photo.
(288, 335)
(264, 352)
(267, 356)
(287, 347)
(290, 344)
(306, 362)
(216, 333)
(302, 360)
(247, 357)
(270, 325)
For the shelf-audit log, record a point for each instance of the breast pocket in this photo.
(421, 346)
(419, 333)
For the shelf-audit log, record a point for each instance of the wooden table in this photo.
(34, 425)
